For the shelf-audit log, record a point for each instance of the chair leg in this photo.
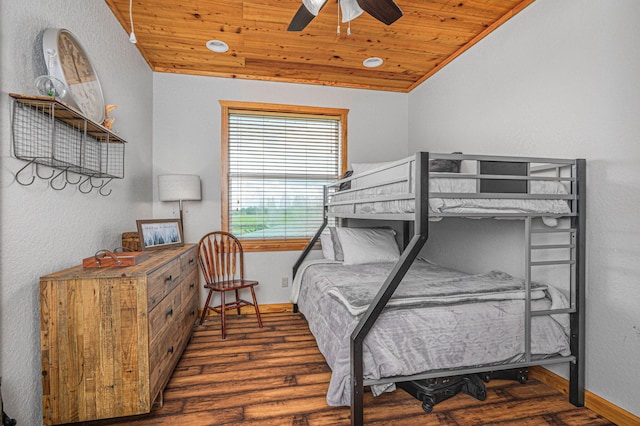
(206, 307)
(238, 298)
(223, 309)
(255, 304)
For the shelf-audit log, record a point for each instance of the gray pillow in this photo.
(345, 185)
(445, 166)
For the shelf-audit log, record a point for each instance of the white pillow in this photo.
(337, 247)
(327, 246)
(331, 247)
(365, 245)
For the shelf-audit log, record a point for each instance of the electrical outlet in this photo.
(285, 281)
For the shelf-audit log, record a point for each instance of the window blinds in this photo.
(278, 165)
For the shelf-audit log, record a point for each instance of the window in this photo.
(276, 160)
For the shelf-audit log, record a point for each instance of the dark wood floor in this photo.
(277, 376)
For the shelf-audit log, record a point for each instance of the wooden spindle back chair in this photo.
(221, 260)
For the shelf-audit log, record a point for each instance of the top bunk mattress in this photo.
(358, 199)
(390, 190)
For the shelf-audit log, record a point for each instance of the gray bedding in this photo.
(438, 206)
(445, 330)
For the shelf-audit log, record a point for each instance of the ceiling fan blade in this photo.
(305, 14)
(301, 19)
(385, 11)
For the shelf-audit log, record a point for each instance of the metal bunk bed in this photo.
(417, 180)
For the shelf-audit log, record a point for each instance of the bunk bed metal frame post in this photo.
(577, 319)
(421, 233)
(313, 241)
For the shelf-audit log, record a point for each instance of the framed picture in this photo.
(160, 233)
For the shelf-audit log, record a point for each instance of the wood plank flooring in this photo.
(277, 376)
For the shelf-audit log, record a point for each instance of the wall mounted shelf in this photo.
(46, 132)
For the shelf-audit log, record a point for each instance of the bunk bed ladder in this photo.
(575, 245)
(568, 244)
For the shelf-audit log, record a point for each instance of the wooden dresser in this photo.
(111, 337)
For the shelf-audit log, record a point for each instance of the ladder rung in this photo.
(553, 246)
(553, 262)
(553, 311)
(551, 231)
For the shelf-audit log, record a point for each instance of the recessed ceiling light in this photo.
(217, 46)
(372, 62)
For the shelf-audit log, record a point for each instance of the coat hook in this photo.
(82, 183)
(56, 177)
(102, 187)
(43, 177)
(33, 178)
(95, 186)
(66, 176)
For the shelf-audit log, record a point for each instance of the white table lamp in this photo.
(179, 188)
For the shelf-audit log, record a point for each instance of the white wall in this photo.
(561, 79)
(187, 140)
(43, 230)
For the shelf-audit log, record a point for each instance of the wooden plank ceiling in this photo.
(172, 35)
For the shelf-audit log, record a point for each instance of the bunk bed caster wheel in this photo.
(474, 386)
(427, 405)
(481, 395)
(523, 376)
(486, 377)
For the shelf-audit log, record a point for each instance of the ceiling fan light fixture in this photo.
(350, 10)
(217, 46)
(372, 62)
(314, 6)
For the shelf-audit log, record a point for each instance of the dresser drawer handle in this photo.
(192, 285)
(169, 278)
(170, 350)
(192, 261)
(170, 313)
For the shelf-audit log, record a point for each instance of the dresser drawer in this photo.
(189, 260)
(190, 285)
(163, 355)
(162, 281)
(164, 314)
(166, 350)
(190, 312)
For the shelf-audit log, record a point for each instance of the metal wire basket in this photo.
(47, 132)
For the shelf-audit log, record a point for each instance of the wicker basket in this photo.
(131, 241)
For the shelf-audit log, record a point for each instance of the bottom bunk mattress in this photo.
(437, 319)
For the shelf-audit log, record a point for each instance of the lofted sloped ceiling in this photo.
(172, 36)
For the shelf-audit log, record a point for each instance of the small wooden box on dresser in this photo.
(111, 337)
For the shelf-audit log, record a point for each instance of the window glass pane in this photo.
(277, 168)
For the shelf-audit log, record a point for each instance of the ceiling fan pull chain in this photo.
(338, 30)
(132, 35)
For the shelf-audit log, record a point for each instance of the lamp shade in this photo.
(179, 187)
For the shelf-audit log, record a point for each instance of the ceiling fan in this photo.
(385, 11)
